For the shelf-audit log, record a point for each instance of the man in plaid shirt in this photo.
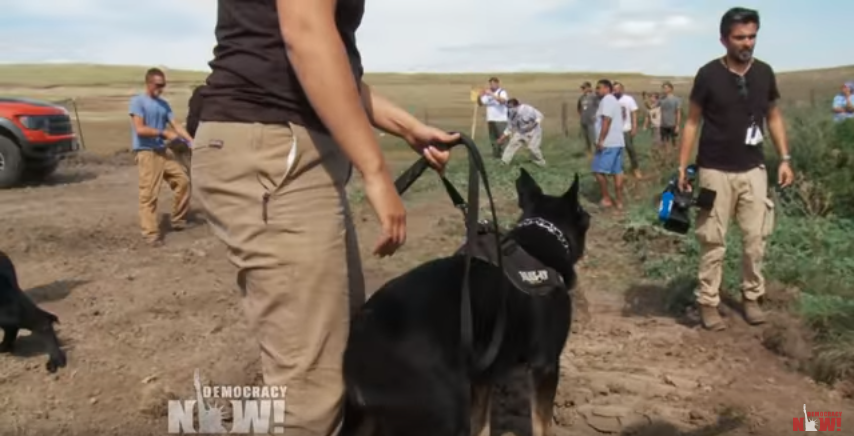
(524, 128)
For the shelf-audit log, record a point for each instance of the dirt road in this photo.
(137, 321)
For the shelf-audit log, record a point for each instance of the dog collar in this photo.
(547, 226)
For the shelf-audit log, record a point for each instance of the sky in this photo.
(662, 37)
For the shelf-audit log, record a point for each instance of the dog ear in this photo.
(527, 189)
(571, 195)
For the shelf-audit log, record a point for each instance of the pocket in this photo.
(769, 218)
(709, 229)
(274, 152)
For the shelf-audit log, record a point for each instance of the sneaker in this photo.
(753, 314)
(711, 318)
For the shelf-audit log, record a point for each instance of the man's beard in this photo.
(743, 56)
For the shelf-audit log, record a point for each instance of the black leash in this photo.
(477, 171)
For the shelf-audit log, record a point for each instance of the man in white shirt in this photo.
(630, 124)
(608, 159)
(525, 128)
(495, 99)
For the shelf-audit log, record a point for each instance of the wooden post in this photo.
(564, 124)
(474, 95)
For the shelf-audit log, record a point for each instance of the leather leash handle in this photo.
(477, 172)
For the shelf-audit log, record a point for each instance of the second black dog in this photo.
(405, 369)
(18, 311)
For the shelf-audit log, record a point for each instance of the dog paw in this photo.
(56, 362)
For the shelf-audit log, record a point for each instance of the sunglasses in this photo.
(159, 85)
(741, 83)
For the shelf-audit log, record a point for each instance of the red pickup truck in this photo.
(34, 136)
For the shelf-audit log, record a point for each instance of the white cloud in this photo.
(396, 35)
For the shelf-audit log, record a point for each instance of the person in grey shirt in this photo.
(524, 128)
(671, 115)
(588, 103)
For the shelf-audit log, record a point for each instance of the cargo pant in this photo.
(744, 197)
(275, 195)
(531, 139)
(155, 167)
(496, 129)
(588, 131)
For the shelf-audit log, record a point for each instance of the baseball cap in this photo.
(850, 85)
(586, 85)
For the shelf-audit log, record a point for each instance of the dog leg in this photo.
(56, 357)
(481, 396)
(543, 382)
(9, 336)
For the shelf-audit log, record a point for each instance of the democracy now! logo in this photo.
(818, 421)
(254, 409)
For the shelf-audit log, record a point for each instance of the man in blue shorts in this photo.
(608, 159)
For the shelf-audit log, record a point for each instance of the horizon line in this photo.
(424, 72)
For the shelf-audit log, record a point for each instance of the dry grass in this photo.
(101, 93)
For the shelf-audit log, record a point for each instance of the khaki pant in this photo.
(275, 195)
(155, 167)
(531, 139)
(743, 196)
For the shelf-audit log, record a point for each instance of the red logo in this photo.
(818, 421)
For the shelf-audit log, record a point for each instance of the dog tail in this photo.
(53, 318)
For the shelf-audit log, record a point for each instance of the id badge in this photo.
(753, 136)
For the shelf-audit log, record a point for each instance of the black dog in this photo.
(404, 367)
(18, 311)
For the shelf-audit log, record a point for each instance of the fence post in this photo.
(564, 125)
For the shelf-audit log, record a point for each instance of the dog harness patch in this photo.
(534, 277)
(525, 272)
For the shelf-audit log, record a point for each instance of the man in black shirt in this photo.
(734, 96)
(285, 115)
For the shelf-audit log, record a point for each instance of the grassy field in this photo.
(101, 93)
(810, 262)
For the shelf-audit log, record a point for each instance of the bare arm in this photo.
(777, 128)
(142, 130)
(386, 115)
(689, 134)
(606, 126)
(182, 132)
(319, 59)
(634, 121)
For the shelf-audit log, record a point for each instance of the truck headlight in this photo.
(34, 122)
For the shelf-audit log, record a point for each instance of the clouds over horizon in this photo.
(651, 36)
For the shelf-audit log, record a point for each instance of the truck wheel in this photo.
(11, 165)
(38, 171)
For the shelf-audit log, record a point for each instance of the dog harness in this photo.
(525, 272)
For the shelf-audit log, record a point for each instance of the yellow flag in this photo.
(474, 95)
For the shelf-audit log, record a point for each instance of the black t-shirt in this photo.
(728, 112)
(195, 109)
(252, 80)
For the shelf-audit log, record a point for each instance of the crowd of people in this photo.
(277, 131)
